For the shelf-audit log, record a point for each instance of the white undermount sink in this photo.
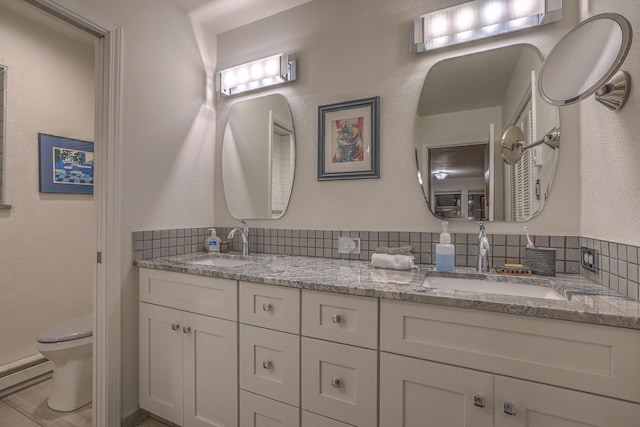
(216, 261)
(491, 287)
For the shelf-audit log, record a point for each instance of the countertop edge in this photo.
(579, 312)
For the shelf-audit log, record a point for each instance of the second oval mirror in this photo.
(466, 104)
(258, 158)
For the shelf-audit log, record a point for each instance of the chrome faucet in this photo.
(244, 233)
(482, 265)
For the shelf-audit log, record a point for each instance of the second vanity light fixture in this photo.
(479, 19)
(272, 70)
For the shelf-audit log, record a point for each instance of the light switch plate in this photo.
(589, 259)
(348, 245)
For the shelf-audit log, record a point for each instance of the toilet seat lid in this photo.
(72, 329)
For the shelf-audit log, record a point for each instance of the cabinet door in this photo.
(161, 375)
(340, 381)
(418, 393)
(210, 372)
(536, 405)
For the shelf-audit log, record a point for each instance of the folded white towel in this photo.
(394, 262)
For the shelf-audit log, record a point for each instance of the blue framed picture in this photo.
(66, 165)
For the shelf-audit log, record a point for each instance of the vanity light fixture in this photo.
(272, 70)
(479, 19)
(441, 175)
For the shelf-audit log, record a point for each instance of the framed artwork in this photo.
(349, 140)
(66, 165)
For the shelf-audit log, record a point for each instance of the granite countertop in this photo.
(586, 301)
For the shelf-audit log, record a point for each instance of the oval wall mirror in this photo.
(586, 61)
(258, 158)
(466, 105)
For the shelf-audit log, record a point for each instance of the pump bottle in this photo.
(445, 251)
(212, 243)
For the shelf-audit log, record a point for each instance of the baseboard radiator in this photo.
(23, 373)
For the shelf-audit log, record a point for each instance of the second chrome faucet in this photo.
(482, 264)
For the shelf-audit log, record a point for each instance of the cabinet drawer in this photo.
(270, 363)
(272, 307)
(309, 419)
(598, 359)
(258, 411)
(340, 381)
(210, 296)
(346, 319)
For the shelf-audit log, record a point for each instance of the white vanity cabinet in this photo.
(321, 359)
(590, 373)
(187, 360)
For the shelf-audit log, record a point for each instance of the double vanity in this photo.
(262, 340)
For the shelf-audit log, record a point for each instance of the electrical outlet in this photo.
(589, 258)
(348, 245)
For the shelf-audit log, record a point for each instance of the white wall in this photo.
(47, 241)
(610, 149)
(357, 49)
(461, 127)
(167, 142)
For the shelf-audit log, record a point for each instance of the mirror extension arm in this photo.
(513, 143)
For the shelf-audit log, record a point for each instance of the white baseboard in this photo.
(23, 373)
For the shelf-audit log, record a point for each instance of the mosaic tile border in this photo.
(617, 265)
(323, 243)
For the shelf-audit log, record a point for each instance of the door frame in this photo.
(107, 286)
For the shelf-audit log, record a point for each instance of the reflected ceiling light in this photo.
(479, 19)
(441, 174)
(275, 69)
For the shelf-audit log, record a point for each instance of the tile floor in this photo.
(28, 408)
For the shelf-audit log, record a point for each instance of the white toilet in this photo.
(69, 345)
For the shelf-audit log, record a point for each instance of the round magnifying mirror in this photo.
(585, 61)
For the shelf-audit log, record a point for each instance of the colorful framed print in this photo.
(349, 140)
(66, 165)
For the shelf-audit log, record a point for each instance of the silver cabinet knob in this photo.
(337, 318)
(335, 382)
(510, 409)
(479, 401)
(186, 329)
(266, 364)
(267, 307)
(175, 326)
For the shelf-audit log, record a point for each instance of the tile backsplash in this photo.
(618, 264)
(323, 243)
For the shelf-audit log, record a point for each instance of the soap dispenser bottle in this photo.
(445, 251)
(212, 243)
